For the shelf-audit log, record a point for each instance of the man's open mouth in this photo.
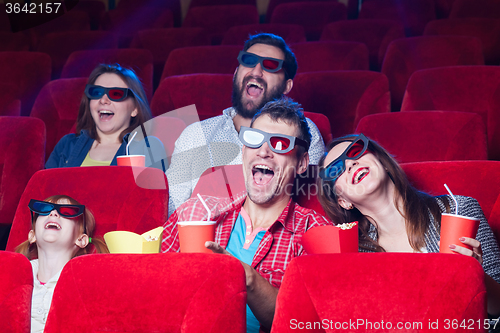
(262, 174)
(254, 89)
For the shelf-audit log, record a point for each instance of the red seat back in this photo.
(334, 289)
(428, 135)
(460, 88)
(477, 179)
(167, 292)
(375, 34)
(218, 19)
(312, 15)
(343, 96)
(475, 8)
(486, 29)
(330, 56)
(220, 59)
(15, 292)
(28, 71)
(22, 143)
(291, 33)
(57, 105)
(121, 198)
(405, 56)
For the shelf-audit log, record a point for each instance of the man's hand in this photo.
(261, 295)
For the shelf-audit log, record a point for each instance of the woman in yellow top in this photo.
(114, 104)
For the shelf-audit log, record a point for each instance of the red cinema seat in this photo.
(59, 45)
(22, 143)
(274, 3)
(121, 198)
(200, 3)
(313, 15)
(176, 92)
(28, 71)
(167, 292)
(475, 8)
(82, 63)
(414, 15)
(218, 59)
(405, 56)
(57, 105)
(13, 41)
(218, 19)
(15, 292)
(375, 34)
(291, 33)
(10, 105)
(330, 56)
(95, 10)
(343, 96)
(127, 21)
(461, 88)
(476, 179)
(370, 292)
(418, 136)
(486, 29)
(160, 42)
(323, 123)
(69, 21)
(173, 5)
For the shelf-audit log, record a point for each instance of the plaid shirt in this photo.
(279, 245)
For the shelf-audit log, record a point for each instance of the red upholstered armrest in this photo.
(368, 289)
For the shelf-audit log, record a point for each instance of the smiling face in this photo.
(269, 176)
(254, 87)
(110, 117)
(361, 177)
(57, 230)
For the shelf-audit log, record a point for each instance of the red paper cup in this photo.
(330, 239)
(455, 226)
(194, 234)
(131, 160)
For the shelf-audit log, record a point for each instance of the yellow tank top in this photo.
(90, 162)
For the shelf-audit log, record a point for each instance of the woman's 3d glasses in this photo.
(115, 94)
(337, 167)
(65, 210)
(251, 60)
(278, 143)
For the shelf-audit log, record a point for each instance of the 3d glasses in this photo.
(65, 210)
(251, 60)
(278, 143)
(115, 94)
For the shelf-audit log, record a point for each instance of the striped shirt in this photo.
(280, 244)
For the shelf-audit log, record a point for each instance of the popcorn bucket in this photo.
(130, 242)
(341, 238)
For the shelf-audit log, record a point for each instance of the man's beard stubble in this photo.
(268, 96)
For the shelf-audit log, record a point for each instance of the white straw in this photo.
(130, 141)
(205, 205)
(456, 204)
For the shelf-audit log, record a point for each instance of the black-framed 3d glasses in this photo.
(336, 168)
(278, 143)
(271, 65)
(115, 94)
(65, 210)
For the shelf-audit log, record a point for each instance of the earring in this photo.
(350, 206)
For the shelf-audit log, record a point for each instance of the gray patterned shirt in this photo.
(209, 143)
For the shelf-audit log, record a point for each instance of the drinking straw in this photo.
(454, 199)
(206, 207)
(130, 141)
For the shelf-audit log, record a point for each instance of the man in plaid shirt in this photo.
(262, 227)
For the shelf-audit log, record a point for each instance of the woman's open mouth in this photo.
(359, 175)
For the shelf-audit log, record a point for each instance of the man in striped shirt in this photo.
(262, 227)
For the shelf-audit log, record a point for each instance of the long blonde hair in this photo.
(97, 245)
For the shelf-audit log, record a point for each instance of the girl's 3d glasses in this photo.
(115, 94)
(337, 167)
(65, 210)
(251, 60)
(278, 143)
